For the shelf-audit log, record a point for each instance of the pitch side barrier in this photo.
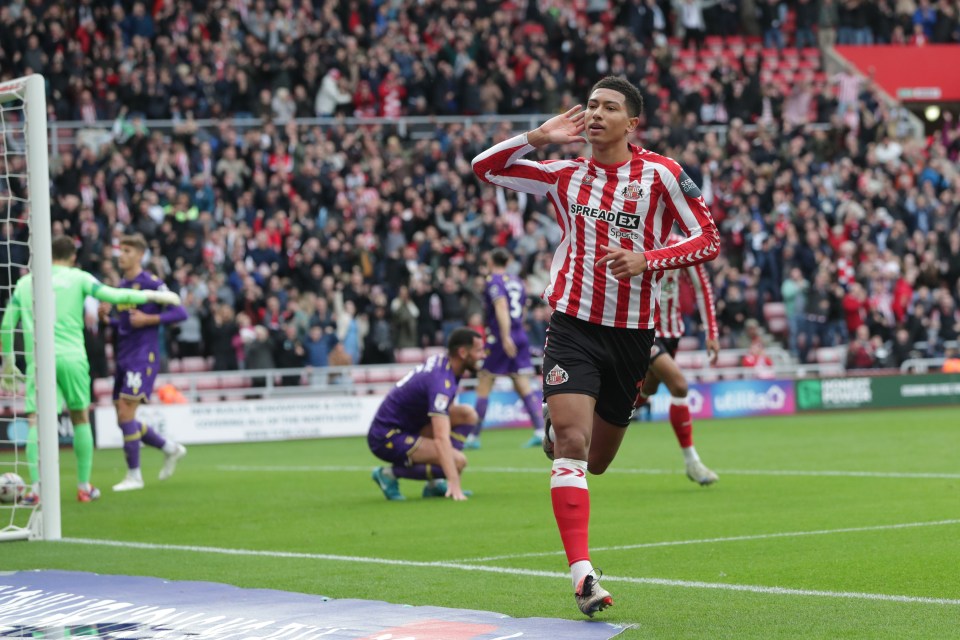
(341, 402)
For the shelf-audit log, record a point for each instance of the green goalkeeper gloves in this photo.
(11, 377)
(163, 297)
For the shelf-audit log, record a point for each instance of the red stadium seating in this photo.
(831, 355)
(410, 354)
(194, 364)
(103, 387)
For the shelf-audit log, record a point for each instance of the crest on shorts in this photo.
(556, 376)
(632, 191)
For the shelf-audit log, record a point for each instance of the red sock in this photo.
(680, 420)
(571, 506)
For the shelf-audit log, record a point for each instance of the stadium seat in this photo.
(689, 343)
(727, 359)
(689, 360)
(831, 355)
(205, 383)
(434, 351)
(778, 326)
(410, 354)
(380, 374)
(174, 365)
(194, 364)
(103, 387)
(775, 317)
(708, 375)
(359, 376)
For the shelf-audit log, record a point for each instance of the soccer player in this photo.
(663, 366)
(508, 348)
(615, 210)
(71, 286)
(137, 350)
(412, 427)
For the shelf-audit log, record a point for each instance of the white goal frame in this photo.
(45, 521)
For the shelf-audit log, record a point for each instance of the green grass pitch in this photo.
(799, 539)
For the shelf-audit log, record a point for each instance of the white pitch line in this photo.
(650, 472)
(759, 536)
(689, 584)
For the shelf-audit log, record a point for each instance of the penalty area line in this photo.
(662, 582)
(648, 472)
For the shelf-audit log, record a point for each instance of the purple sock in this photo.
(152, 438)
(481, 412)
(535, 409)
(418, 472)
(132, 432)
(459, 433)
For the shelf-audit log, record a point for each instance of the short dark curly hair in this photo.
(500, 257)
(634, 99)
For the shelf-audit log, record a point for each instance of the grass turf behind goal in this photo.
(822, 526)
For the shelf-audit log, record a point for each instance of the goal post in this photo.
(25, 199)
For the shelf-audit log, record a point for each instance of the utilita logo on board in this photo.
(751, 400)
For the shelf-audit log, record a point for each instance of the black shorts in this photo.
(663, 346)
(607, 363)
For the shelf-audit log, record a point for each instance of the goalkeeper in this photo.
(71, 286)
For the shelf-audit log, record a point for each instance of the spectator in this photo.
(828, 18)
(289, 354)
(403, 317)
(771, 14)
(794, 294)
(860, 352)
(339, 203)
(732, 313)
(259, 354)
(379, 345)
(222, 336)
(805, 19)
(318, 345)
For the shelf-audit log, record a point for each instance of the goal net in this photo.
(25, 248)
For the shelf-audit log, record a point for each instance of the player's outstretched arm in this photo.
(114, 295)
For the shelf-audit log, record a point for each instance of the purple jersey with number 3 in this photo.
(510, 289)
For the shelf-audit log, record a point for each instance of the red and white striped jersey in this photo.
(632, 205)
(671, 320)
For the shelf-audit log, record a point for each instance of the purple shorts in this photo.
(134, 382)
(499, 363)
(391, 444)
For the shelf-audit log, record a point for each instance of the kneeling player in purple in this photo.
(137, 343)
(412, 428)
(508, 348)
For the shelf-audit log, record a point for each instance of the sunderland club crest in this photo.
(632, 191)
(556, 376)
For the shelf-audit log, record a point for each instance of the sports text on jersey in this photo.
(619, 218)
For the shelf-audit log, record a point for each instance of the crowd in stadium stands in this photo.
(295, 244)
